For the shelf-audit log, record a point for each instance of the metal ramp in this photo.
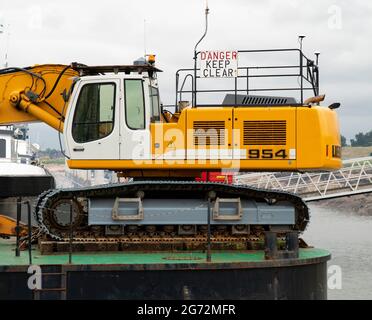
(355, 177)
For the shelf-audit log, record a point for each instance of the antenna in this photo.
(4, 29)
(144, 36)
(206, 27)
(195, 52)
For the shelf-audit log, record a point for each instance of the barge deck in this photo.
(165, 275)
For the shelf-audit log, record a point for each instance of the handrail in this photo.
(309, 78)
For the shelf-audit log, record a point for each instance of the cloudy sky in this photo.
(112, 32)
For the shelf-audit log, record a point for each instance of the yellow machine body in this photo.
(280, 138)
(245, 139)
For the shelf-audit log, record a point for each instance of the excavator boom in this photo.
(8, 227)
(35, 94)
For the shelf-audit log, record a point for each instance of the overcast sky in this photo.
(112, 32)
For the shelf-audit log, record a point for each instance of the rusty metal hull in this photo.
(275, 279)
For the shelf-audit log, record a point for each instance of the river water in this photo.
(349, 239)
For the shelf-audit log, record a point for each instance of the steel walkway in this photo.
(355, 177)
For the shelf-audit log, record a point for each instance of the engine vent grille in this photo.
(265, 132)
(209, 133)
(253, 100)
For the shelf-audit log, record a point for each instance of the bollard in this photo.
(291, 250)
(291, 242)
(271, 247)
(211, 195)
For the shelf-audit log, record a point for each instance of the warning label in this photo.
(218, 64)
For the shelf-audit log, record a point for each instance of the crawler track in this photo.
(45, 212)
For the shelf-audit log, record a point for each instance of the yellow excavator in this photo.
(111, 118)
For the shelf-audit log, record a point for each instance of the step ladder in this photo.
(53, 281)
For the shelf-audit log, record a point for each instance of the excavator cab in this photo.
(109, 117)
(110, 113)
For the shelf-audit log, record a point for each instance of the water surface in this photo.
(349, 239)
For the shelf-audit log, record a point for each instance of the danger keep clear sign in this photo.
(218, 64)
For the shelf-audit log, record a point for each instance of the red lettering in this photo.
(203, 55)
(234, 55)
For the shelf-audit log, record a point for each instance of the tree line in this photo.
(360, 140)
(50, 153)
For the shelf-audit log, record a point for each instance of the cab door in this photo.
(135, 127)
(92, 129)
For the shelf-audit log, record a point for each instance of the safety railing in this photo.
(189, 82)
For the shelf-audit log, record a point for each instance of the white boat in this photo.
(20, 172)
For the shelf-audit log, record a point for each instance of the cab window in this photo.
(154, 100)
(2, 148)
(134, 104)
(94, 113)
